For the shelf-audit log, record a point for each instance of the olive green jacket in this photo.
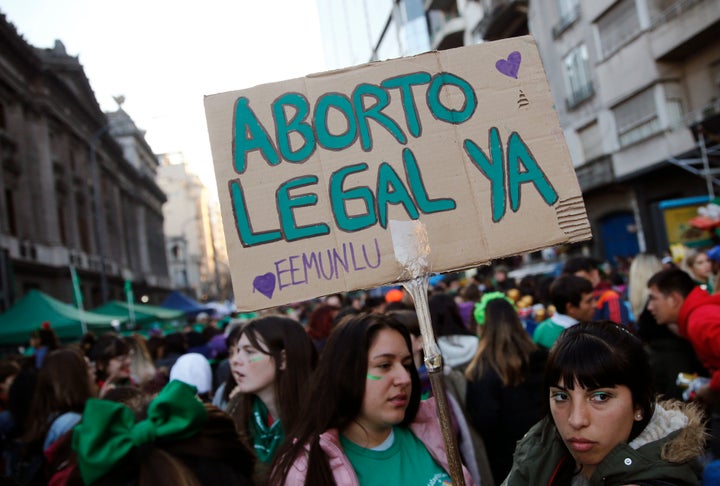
(666, 450)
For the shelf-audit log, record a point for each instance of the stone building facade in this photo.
(77, 187)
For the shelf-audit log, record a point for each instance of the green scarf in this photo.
(266, 439)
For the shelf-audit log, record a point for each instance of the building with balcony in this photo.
(636, 85)
(489, 20)
(69, 194)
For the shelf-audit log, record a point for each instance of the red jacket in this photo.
(699, 322)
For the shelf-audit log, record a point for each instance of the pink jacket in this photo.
(426, 427)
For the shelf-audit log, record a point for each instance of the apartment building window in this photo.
(591, 141)
(10, 208)
(568, 13)
(637, 118)
(61, 207)
(577, 76)
(566, 8)
(715, 74)
(674, 112)
(620, 24)
(82, 222)
(413, 28)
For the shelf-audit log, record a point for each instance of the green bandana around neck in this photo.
(266, 439)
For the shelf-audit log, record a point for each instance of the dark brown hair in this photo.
(336, 394)
(602, 354)
(286, 341)
(107, 347)
(63, 385)
(504, 346)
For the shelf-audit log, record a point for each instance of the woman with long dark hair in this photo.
(504, 389)
(271, 365)
(362, 421)
(64, 384)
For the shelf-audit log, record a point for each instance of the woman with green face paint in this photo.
(363, 422)
(271, 363)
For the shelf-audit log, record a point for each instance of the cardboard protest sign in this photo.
(312, 171)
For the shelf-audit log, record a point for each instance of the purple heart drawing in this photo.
(265, 284)
(511, 66)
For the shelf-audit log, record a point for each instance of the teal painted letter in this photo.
(344, 106)
(296, 124)
(405, 83)
(518, 153)
(339, 195)
(440, 111)
(374, 112)
(425, 204)
(494, 170)
(391, 190)
(250, 135)
(286, 203)
(242, 220)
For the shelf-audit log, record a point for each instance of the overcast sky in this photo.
(164, 56)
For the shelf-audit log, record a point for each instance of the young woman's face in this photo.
(702, 267)
(591, 422)
(253, 370)
(388, 384)
(119, 367)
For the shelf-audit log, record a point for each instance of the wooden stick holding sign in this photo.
(314, 172)
(412, 251)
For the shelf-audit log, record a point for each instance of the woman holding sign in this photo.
(271, 364)
(364, 422)
(605, 426)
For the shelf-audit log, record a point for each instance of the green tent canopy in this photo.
(145, 315)
(35, 307)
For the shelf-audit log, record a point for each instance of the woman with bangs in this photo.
(363, 422)
(111, 357)
(271, 364)
(604, 425)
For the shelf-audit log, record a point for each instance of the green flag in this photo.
(78, 296)
(130, 300)
(77, 291)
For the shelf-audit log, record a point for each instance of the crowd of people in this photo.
(568, 379)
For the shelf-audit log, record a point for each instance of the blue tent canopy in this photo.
(179, 301)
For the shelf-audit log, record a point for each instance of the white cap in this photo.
(193, 369)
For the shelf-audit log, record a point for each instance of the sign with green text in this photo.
(312, 171)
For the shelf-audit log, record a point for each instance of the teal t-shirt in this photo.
(407, 461)
(547, 333)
